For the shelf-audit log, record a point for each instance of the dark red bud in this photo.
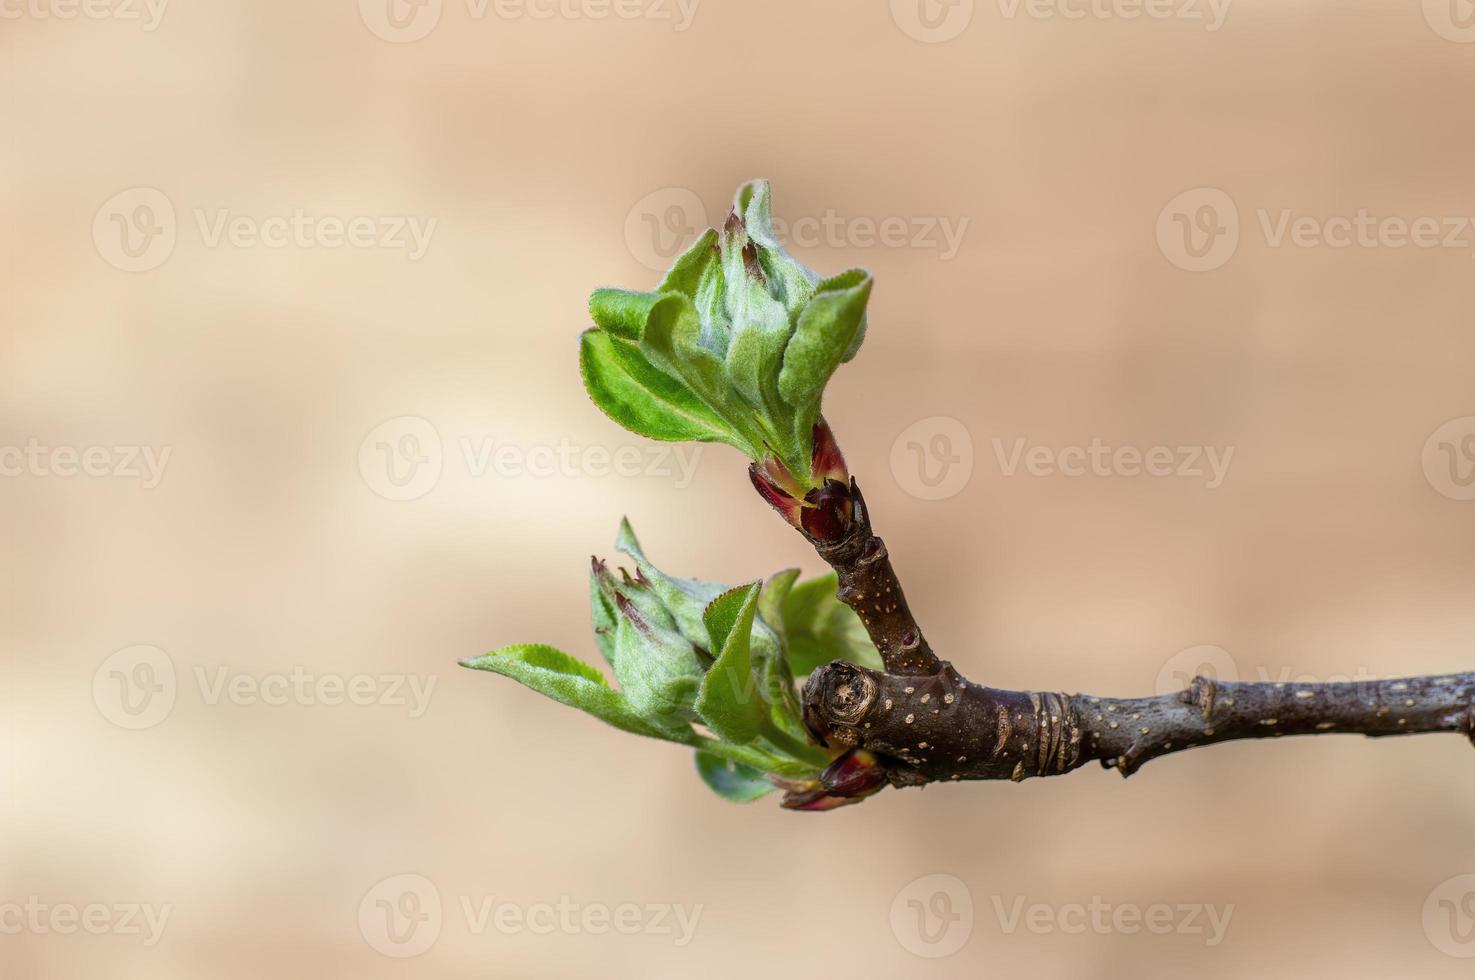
(856, 773)
(828, 511)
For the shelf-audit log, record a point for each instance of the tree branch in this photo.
(944, 727)
(920, 721)
(868, 584)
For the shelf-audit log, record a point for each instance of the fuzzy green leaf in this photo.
(685, 599)
(643, 399)
(730, 702)
(567, 680)
(621, 312)
(829, 332)
(658, 672)
(732, 780)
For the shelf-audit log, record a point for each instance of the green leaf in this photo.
(603, 611)
(819, 628)
(621, 312)
(789, 280)
(771, 599)
(729, 701)
(567, 680)
(692, 270)
(732, 780)
(658, 671)
(829, 332)
(676, 342)
(644, 399)
(684, 599)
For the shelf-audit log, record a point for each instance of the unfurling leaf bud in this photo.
(735, 345)
(849, 779)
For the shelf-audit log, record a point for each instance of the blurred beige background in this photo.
(272, 464)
